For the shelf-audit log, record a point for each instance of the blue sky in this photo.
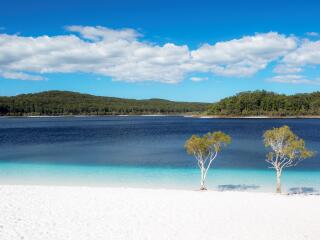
(179, 50)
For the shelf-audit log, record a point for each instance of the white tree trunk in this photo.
(278, 190)
(202, 186)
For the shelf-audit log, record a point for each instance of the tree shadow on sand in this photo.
(237, 187)
(303, 190)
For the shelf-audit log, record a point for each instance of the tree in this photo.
(287, 150)
(205, 149)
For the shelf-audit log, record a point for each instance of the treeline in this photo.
(71, 103)
(256, 103)
(265, 103)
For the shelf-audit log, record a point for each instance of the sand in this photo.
(58, 213)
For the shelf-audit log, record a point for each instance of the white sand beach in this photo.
(57, 212)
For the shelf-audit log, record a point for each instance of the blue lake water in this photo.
(146, 152)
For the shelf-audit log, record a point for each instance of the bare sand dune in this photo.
(58, 213)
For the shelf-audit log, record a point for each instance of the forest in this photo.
(263, 103)
(251, 103)
(53, 103)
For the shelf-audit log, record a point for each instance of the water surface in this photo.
(145, 152)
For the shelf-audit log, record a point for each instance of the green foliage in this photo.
(263, 103)
(285, 144)
(70, 103)
(202, 146)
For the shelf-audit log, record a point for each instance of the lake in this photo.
(146, 151)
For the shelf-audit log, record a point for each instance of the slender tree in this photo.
(205, 149)
(287, 150)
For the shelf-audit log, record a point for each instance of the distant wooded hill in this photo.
(260, 103)
(256, 103)
(71, 103)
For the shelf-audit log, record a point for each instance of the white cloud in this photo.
(99, 33)
(244, 56)
(286, 69)
(305, 55)
(293, 79)
(117, 54)
(21, 76)
(198, 79)
(308, 53)
(312, 34)
(123, 56)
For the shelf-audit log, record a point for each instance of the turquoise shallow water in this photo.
(156, 177)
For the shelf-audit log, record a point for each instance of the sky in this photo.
(179, 50)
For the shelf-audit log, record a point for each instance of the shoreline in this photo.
(81, 213)
(153, 188)
(255, 117)
(150, 189)
(169, 115)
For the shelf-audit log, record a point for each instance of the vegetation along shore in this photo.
(256, 104)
